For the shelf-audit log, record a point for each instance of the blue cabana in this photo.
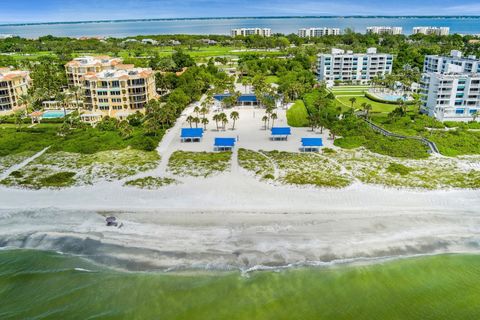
(224, 144)
(244, 99)
(191, 134)
(311, 144)
(281, 133)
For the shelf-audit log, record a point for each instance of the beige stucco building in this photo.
(13, 84)
(79, 67)
(119, 92)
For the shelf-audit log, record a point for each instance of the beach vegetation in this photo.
(150, 183)
(198, 164)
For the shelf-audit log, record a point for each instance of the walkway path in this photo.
(22, 164)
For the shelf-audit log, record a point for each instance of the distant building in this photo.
(353, 67)
(439, 31)
(317, 32)
(264, 32)
(385, 30)
(119, 92)
(13, 84)
(150, 41)
(79, 67)
(450, 87)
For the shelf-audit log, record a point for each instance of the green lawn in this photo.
(297, 115)
(376, 106)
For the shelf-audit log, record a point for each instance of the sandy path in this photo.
(22, 164)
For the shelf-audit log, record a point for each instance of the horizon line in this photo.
(232, 18)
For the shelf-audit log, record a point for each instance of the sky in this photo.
(12, 11)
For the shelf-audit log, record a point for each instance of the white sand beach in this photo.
(234, 220)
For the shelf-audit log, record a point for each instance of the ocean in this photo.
(51, 285)
(222, 26)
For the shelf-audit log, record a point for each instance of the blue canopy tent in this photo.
(281, 133)
(311, 144)
(224, 144)
(191, 134)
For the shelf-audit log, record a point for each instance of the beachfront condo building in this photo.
(450, 87)
(244, 32)
(79, 67)
(385, 30)
(456, 61)
(119, 92)
(353, 67)
(439, 31)
(13, 84)
(317, 32)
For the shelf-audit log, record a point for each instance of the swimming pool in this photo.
(53, 114)
(392, 97)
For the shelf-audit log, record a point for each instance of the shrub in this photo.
(399, 169)
(60, 179)
(297, 115)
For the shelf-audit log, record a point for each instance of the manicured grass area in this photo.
(150, 183)
(297, 115)
(198, 164)
(376, 106)
(431, 287)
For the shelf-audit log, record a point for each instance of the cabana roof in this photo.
(281, 131)
(192, 133)
(224, 142)
(312, 142)
(241, 98)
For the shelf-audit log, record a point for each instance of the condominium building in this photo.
(13, 84)
(439, 31)
(450, 87)
(79, 67)
(456, 61)
(264, 32)
(317, 32)
(119, 92)
(353, 67)
(385, 30)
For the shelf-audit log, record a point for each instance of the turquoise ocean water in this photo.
(462, 25)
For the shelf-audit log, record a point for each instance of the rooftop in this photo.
(7, 74)
(124, 73)
(91, 61)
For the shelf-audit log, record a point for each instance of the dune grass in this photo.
(198, 164)
(150, 183)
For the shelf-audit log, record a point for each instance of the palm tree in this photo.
(265, 119)
(205, 122)
(190, 120)
(223, 119)
(204, 111)
(367, 109)
(353, 100)
(18, 118)
(197, 110)
(64, 99)
(274, 117)
(196, 120)
(217, 118)
(475, 115)
(234, 116)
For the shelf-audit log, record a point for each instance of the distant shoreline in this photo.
(234, 18)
